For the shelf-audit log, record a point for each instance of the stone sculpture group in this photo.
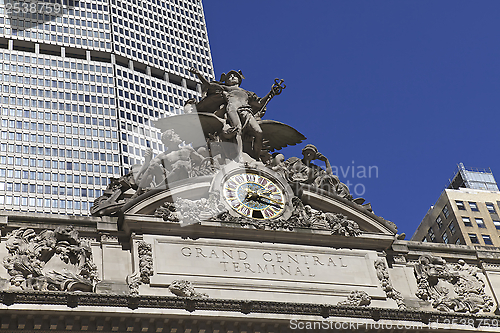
(230, 119)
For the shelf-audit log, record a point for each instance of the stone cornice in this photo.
(234, 231)
(51, 221)
(322, 311)
(451, 252)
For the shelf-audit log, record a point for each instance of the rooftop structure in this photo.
(481, 179)
(466, 212)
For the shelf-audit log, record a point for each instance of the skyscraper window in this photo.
(466, 221)
(60, 106)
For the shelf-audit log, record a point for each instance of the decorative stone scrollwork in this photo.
(113, 197)
(399, 259)
(134, 281)
(383, 276)
(357, 298)
(50, 260)
(303, 216)
(451, 287)
(168, 212)
(183, 288)
(191, 211)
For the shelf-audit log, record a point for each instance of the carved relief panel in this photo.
(49, 260)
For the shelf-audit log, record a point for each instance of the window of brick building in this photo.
(491, 208)
(487, 240)
(466, 221)
(439, 222)
(446, 212)
(480, 223)
(473, 206)
(460, 205)
(473, 238)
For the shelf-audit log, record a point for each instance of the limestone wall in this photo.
(220, 263)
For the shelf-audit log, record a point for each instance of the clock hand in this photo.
(260, 193)
(251, 195)
(271, 201)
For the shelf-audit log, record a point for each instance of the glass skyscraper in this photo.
(80, 84)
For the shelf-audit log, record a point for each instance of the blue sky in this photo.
(410, 87)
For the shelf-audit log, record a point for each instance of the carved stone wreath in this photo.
(50, 260)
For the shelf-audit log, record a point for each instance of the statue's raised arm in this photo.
(200, 76)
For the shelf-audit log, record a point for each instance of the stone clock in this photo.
(254, 192)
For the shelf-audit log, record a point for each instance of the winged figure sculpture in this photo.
(197, 127)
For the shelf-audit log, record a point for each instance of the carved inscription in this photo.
(231, 268)
(264, 262)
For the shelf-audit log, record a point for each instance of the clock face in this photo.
(254, 196)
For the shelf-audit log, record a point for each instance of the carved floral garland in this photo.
(134, 280)
(145, 261)
(383, 276)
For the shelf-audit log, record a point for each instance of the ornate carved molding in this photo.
(145, 261)
(107, 238)
(50, 260)
(451, 287)
(383, 276)
(303, 216)
(210, 304)
(399, 259)
(191, 211)
(134, 281)
(357, 298)
(145, 254)
(491, 267)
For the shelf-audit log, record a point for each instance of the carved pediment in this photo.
(194, 202)
(365, 218)
(314, 208)
(221, 165)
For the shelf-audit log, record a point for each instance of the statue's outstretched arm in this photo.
(148, 157)
(200, 76)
